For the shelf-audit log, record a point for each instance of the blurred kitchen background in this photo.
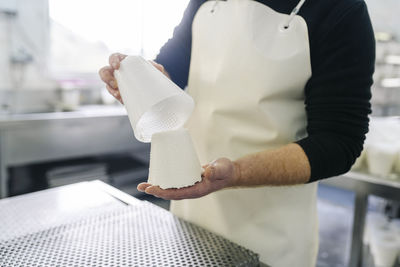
(53, 105)
(58, 124)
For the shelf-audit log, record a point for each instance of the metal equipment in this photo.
(127, 233)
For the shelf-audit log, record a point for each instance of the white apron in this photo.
(247, 77)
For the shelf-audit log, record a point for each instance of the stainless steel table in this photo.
(94, 224)
(35, 138)
(363, 185)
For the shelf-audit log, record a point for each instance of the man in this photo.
(282, 90)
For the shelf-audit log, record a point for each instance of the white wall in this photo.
(27, 33)
(95, 28)
(385, 16)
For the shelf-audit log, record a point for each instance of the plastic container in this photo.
(381, 158)
(153, 102)
(397, 163)
(374, 221)
(384, 247)
(173, 160)
(396, 226)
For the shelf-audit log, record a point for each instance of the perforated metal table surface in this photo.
(93, 224)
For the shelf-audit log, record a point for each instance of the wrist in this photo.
(165, 72)
(237, 174)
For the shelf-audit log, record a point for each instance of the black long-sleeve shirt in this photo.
(337, 96)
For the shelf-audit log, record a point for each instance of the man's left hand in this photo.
(219, 174)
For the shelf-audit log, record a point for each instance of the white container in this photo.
(173, 160)
(396, 226)
(154, 103)
(381, 158)
(397, 163)
(70, 99)
(374, 221)
(384, 248)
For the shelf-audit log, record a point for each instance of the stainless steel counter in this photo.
(93, 111)
(41, 137)
(94, 224)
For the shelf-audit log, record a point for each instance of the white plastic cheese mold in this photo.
(154, 103)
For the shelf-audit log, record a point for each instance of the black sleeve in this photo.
(337, 96)
(175, 54)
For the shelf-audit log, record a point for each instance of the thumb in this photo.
(158, 66)
(209, 171)
(219, 169)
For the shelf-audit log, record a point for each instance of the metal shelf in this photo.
(363, 185)
(366, 184)
(37, 138)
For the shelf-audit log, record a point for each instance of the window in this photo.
(84, 33)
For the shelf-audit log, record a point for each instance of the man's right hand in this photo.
(107, 73)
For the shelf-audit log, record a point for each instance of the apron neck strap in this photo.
(214, 6)
(288, 21)
(294, 13)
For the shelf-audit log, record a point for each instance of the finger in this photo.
(203, 169)
(112, 91)
(158, 66)
(224, 169)
(194, 191)
(168, 194)
(115, 60)
(153, 190)
(142, 186)
(115, 93)
(205, 166)
(107, 76)
(209, 172)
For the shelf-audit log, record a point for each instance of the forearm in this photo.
(287, 165)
